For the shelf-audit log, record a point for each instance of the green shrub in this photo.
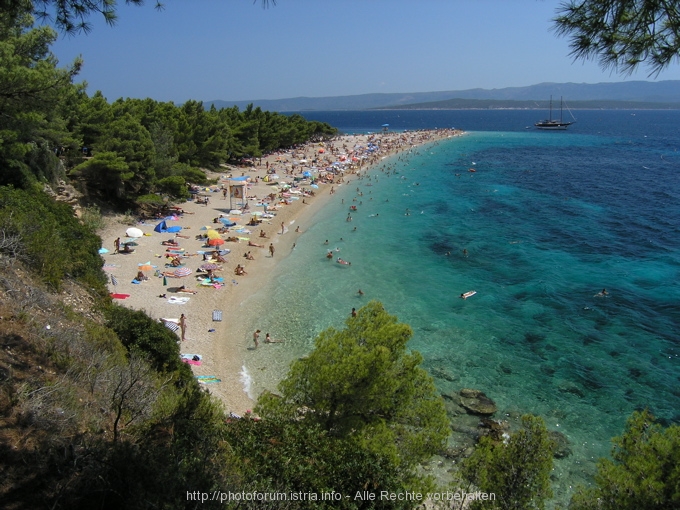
(644, 473)
(517, 471)
(53, 241)
(139, 332)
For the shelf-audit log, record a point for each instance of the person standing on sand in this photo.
(183, 326)
(271, 250)
(283, 228)
(256, 336)
(116, 245)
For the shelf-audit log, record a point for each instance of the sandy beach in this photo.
(222, 344)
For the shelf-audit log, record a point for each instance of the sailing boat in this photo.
(551, 123)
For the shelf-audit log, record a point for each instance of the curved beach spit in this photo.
(222, 345)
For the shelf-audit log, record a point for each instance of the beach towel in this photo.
(207, 379)
(217, 315)
(192, 362)
(171, 325)
(178, 300)
(114, 280)
(102, 251)
(195, 357)
(120, 296)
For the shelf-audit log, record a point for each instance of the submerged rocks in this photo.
(496, 429)
(476, 402)
(570, 387)
(561, 446)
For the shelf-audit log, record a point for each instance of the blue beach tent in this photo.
(162, 227)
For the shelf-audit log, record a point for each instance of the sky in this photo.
(236, 50)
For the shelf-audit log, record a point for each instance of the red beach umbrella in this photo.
(215, 242)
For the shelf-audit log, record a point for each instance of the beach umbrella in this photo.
(210, 267)
(134, 232)
(235, 211)
(182, 271)
(215, 242)
(206, 227)
(213, 234)
(114, 280)
(257, 213)
(306, 174)
(145, 267)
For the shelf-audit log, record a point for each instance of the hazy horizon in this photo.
(215, 50)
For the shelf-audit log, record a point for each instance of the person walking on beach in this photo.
(183, 326)
(271, 250)
(283, 228)
(116, 245)
(256, 336)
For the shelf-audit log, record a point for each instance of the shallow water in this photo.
(548, 220)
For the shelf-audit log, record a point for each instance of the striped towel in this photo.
(217, 315)
(171, 325)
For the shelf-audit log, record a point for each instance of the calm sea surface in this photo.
(548, 220)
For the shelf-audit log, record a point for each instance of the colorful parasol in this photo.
(182, 271)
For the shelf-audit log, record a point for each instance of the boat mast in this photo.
(560, 109)
(550, 114)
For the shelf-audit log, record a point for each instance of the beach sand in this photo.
(222, 345)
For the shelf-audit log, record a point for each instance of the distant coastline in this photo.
(629, 95)
(481, 104)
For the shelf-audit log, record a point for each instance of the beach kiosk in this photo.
(238, 192)
(385, 128)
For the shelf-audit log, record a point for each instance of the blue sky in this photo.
(236, 50)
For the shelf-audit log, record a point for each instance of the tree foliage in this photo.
(517, 471)
(644, 472)
(361, 383)
(32, 89)
(285, 456)
(622, 34)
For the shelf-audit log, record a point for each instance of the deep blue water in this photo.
(548, 220)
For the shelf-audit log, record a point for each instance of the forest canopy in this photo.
(117, 151)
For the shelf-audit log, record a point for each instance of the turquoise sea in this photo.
(548, 220)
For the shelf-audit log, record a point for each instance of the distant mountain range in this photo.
(629, 95)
